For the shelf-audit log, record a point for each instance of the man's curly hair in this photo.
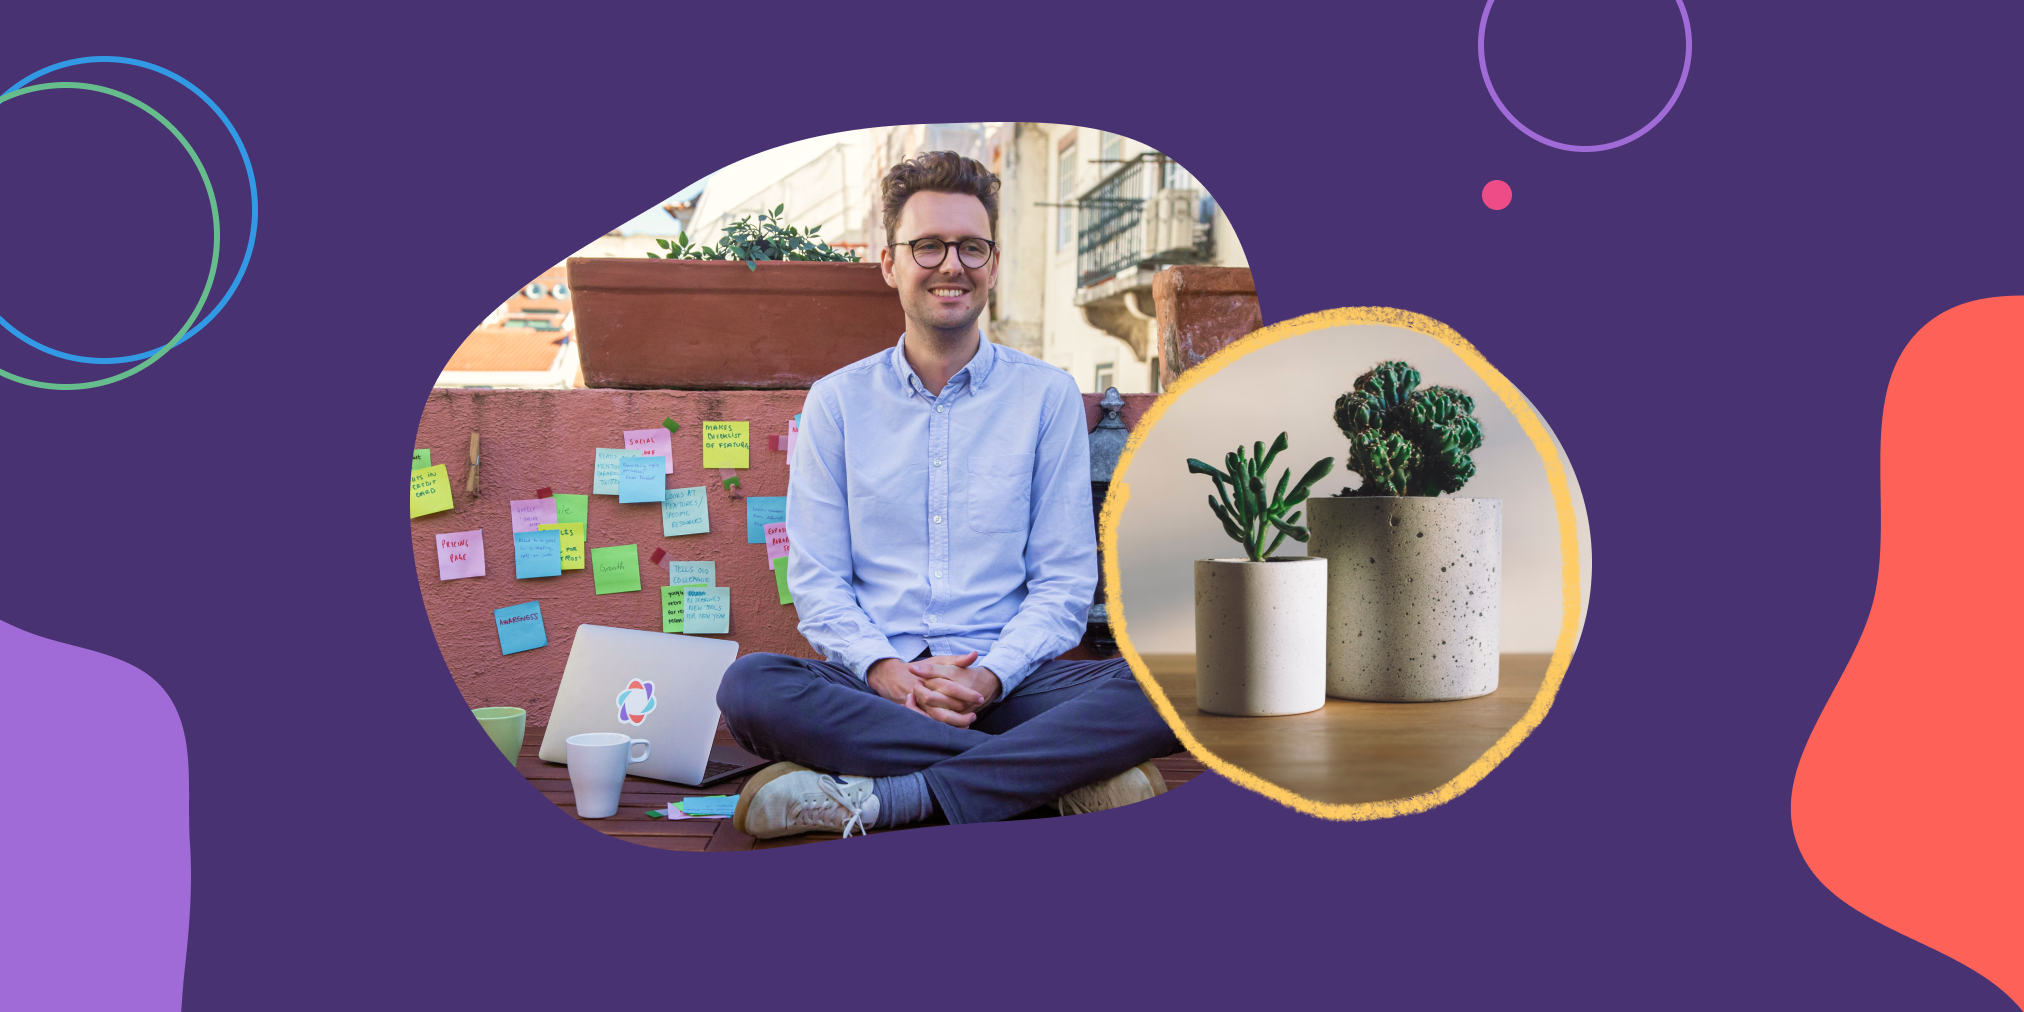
(938, 172)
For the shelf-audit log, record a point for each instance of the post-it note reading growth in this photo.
(616, 569)
(530, 514)
(537, 553)
(640, 479)
(429, 491)
(776, 541)
(653, 442)
(672, 607)
(520, 627)
(761, 510)
(702, 574)
(572, 543)
(706, 610)
(685, 511)
(460, 555)
(604, 474)
(780, 580)
(727, 444)
(572, 509)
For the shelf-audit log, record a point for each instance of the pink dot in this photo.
(1496, 195)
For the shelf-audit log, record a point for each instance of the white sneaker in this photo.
(784, 799)
(1136, 784)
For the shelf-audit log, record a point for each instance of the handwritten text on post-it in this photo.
(700, 573)
(460, 555)
(572, 543)
(685, 511)
(761, 510)
(530, 514)
(572, 509)
(421, 460)
(429, 491)
(520, 627)
(672, 610)
(727, 444)
(653, 442)
(706, 610)
(536, 554)
(640, 479)
(604, 474)
(616, 569)
(776, 541)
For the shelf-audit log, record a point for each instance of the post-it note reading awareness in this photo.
(727, 444)
(429, 491)
(520, 627)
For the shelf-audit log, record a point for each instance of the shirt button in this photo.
(938, 576)
(938, 519)
(938, 463)
(938, 409)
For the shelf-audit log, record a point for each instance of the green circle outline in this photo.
(217, 233)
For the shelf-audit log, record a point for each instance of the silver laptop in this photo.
(652, 685)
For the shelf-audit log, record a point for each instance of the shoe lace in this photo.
(839, 798)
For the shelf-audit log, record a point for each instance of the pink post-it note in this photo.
(654, 442)
(793, 436)
(530, 514)
(776, 541)
(460, 555)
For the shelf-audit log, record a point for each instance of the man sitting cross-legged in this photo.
(943, 555)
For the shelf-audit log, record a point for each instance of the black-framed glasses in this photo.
(972, 252)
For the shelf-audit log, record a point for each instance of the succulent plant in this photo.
(1405, 441)
(1247, 515)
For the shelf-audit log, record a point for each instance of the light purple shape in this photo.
(96, 848)
(1483, 64)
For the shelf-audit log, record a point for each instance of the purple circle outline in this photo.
(1483, 65)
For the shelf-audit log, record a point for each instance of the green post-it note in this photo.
(616, 569)
(572, 509)
(707, 610)
(429, 491)
(672, 607)
(780, 580)
(421, 460)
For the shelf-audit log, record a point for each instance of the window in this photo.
(561, 290)
(1154, 385)
(535, 290)
(1113, 149)
(1064, 194)
(1106, 376)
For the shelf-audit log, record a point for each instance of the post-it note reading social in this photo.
(640, 479)
(685, 511)
(604, 474)
(537, 554)
(520, 627)
(653, 442)
(706, 610)
(727, 444)
(429, 491)
(616, 569)
(761, 510)
(460, 555)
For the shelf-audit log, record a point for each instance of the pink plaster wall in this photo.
(534, 438)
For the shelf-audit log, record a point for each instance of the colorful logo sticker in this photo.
(635, 701)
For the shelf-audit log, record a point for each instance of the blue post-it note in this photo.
(520, 627)
(537, 553)
(717, 804)
(706, 610)
(685, 511)
(761, 510)
(604, 474)
(641, 479)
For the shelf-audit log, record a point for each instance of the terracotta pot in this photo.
(1201, 309)
(719, 325)
(1261, 636)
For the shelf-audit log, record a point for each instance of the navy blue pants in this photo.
(1069, 723)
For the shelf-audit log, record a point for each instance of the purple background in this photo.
(1707, 317)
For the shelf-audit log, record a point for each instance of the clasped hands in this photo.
(948, 688)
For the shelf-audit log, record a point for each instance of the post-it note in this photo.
(460, 555)
(761, 510)
(684, 573)
(720, 804)
(520, 627)
(793, 438)
(537, 553)
(572, 543)
(780, 580)
(640, 479)
(604, 474)
(653, 442)
(672, 600)
(776, 541)
(685, 511)
(706, 610)
(572, 509)
(530, 514)
(421, 460)
(429, 491)
(617, 568)
(727, 444)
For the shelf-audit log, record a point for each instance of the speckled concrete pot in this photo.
(1261, 636)
(1413, 585)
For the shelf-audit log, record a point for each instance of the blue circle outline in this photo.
(252, 190)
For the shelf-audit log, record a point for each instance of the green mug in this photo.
(508, 727)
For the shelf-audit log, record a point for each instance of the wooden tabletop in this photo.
(1349, 752)
(639, 795)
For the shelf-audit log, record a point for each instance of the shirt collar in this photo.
(979, 367)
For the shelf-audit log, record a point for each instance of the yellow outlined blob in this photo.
(1563, 509)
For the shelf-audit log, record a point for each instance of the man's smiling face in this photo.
(949, 296)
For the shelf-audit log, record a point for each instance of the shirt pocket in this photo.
(1001, 492)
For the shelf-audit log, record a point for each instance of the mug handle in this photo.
(643, 755)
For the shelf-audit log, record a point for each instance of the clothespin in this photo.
(471, 479)
(544, 493)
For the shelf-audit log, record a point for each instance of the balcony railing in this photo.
(1145, 213)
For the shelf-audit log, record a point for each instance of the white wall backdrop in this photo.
(1291, 386)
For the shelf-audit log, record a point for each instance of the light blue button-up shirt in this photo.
(954, 523)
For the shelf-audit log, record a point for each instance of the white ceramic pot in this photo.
(1261, 636)
(1413, 586)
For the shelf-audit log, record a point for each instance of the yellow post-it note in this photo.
(727, 444)
(672, 607)
(572, 542)
(429, 491)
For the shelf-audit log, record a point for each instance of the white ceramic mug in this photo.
(597, 764)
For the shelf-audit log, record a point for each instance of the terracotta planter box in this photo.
(717, 325)
(1201, 309)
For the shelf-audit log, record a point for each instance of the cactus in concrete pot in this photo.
(1245, 511)
(1406, 441)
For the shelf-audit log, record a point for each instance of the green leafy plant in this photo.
(1247, 515)
(771, 238)
(1406, 441)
